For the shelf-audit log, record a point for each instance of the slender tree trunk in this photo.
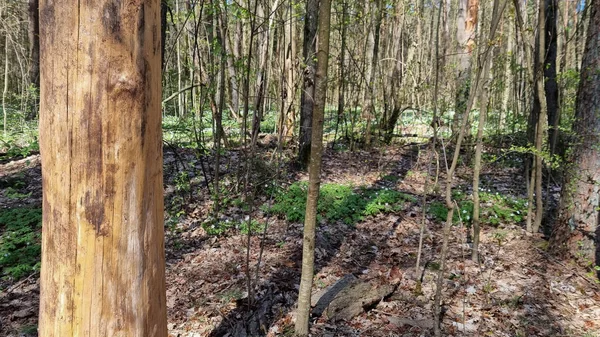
(398, 76)
(263, 69)
(466, 23)
(433, 144)
(232, 59)
(314, 171)
(342, 66)
(5, 90)
(537, 80)
(551, 85)
(164, 8)
(578, 228)
(475, 88)
(483, 110)
(34, 54)
(368, 105)
(180, 107)
(308, 88)
(287, 118)
(508, 75)
(103, 265)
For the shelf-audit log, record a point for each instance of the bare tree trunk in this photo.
(263, 69)
(287, 118)
(308, 88)
(578, 231)
(433, 144)
(368, 107)
(34, 54)
(475, 88)
(103, 264)
(5, 91)
(550, 71)
(314, 171)
(466, 23)
(235, 54)
(342, 66)
(508, 75)
(180, 107)
(483, 110)
(537, 80)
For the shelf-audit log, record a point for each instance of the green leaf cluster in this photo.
(495, 209)
(338, 202)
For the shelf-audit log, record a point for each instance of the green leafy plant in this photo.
(500, 236)
(338, 202)
(14, 150)
(495, 209)
(20, 241)
(255, 226)
(182, 182)
(217, 227)
(440, 212)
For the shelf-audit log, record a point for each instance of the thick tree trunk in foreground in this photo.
(103, 269)
(314, 171)
(578, 226)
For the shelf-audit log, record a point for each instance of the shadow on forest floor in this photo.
(280, 290)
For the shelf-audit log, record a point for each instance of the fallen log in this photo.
(349, 297)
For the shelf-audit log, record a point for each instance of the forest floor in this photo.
(517, 289)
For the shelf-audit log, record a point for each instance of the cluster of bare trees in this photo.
(101, 103)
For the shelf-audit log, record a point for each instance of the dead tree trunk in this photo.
(103, 265)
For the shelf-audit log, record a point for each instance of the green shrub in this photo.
(495, 208)
(338, 202)
(439, 211)
(20, 241)
(13, 149)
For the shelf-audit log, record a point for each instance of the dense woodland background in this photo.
(461, 171)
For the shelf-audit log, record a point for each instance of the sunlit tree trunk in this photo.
(466, 23)
(103, 267)
(314, 171)
(287, 118)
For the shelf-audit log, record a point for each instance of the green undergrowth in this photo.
(20, 241)
(338, 202)
(495, 209)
